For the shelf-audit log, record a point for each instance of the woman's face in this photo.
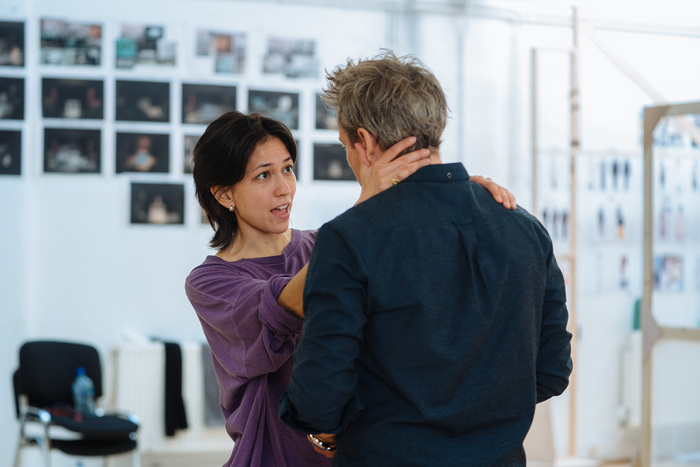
(263, 198)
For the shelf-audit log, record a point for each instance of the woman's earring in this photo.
(231, 208)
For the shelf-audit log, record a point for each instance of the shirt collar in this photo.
(440, 172)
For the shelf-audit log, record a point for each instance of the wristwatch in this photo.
(321, 444)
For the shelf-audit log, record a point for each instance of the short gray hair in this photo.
(390, 97)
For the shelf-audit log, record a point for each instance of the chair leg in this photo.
(18, 455)
(45, 451)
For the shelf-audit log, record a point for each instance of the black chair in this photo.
(44, 405)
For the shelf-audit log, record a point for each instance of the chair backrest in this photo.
(47, 370)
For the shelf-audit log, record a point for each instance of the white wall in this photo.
(72, 267)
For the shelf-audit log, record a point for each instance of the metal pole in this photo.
(575, 143)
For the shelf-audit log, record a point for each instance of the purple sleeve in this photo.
(248, 331)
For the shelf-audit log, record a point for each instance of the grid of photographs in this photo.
(76, 109)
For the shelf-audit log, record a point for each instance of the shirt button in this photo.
(449, 174)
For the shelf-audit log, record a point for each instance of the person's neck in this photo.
(435, 157)
(249, 243)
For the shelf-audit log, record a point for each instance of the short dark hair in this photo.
(220, 158)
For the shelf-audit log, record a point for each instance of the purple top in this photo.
(252, 340)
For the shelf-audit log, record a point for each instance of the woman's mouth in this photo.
(281, 211)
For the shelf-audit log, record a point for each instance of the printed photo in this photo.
(330, 162)
(144, 45)
(292, 58)
(668, 273)
(157, 203)
(70, 43)
(143, 101)
(11, 43)
(143, 152)
(72, 98)
(204, 103)
(225, 50)
(325, 116)
(68, 150)
(282, 106)
(10, 152)
(12, 98)
(189, 144)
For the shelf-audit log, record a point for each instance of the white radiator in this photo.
(631, 382)
(139, 387)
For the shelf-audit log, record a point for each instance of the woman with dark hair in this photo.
(248, 295)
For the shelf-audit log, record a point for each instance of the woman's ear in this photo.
(367, 146)
(224, 195)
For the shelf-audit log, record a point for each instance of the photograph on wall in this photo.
(144, 45)
(204, 103)
(11, 98)
(291, 58)
(189, 144)
(157, 203)
(325, 116)
(282, 106)
(10, 152)
(142, 101)
(143, 152)
(668, 134)
(70, 43)
(72, 98)
(330, 162)
(224, 51)
(668, 273)
(69, 150)
(11, 43)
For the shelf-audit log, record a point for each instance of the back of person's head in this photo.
(391, 97)
(220, 158)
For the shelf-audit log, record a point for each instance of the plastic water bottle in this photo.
(83, 393)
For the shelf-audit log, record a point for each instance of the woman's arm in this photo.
(291, 296)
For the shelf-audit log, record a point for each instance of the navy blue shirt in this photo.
(435, 321)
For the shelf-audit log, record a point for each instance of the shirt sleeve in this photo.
(321, 397)
(554, 363)
(248, 331)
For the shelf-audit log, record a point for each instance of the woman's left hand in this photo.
(498, 192)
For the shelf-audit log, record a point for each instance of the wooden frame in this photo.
(652, 332)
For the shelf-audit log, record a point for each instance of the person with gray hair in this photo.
(435, 320)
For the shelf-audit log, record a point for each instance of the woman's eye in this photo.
(289, 168)
(263, 175)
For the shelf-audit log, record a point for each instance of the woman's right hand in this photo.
(388, 169)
